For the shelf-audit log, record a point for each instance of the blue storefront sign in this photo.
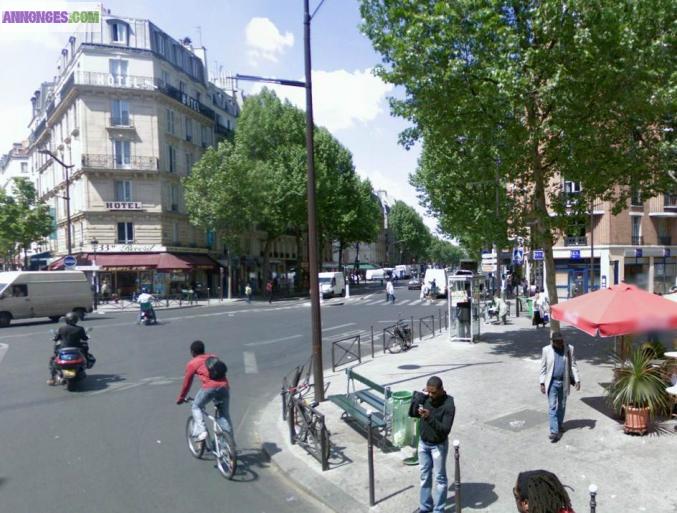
(638, 252)
(539, 254)
(575, 254)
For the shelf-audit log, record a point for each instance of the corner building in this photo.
(132, 110)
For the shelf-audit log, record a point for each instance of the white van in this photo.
(440, 277)
(332, 284)
(24, 295)
(403, 271)
(375, 274)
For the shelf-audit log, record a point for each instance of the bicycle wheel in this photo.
(195, 448)
(226, 459)
(395, 344)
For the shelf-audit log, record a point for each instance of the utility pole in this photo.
(313, 253)
(592, 245)
(67, 197)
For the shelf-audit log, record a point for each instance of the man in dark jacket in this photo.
(436, 411)
(69, 335)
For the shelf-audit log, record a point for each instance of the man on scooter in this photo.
(145, 301)
(70, 335)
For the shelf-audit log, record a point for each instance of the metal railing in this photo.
(309, 421)
(120, 122)
(391, 335)
(670, 200)
(347, 351)
(99, 161)
(665, 240)
(576, 241)
(429, 323)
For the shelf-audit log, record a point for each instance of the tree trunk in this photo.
(25, 258)
(266, 261)
(340, 255)
(299, 260)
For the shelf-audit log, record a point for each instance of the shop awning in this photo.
(362, 266)
(203, 262)
(163, 262)
(168, 262)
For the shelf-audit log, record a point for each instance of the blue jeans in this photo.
(433, 459)
(557, 403)
(221, 397)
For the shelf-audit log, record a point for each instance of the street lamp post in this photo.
(95, 277)
(67, 197)
(313, 254)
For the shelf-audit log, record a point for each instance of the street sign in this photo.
(575, 254)
(488, 267)
(517, 256)
(69, 262)
(638, 252)
(539, 254)
(666, 252)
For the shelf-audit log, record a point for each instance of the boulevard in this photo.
(118, 444)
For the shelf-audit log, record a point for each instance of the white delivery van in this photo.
(332, 284)
(403, 271)
(440, 277)
(375, 274)
(24, 295)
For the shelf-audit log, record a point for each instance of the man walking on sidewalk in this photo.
(436, 410)
(558, 372)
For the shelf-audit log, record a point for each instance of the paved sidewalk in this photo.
(501, 423)
(130, 306)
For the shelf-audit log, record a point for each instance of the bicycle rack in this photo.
(312, 421)
(429, 322)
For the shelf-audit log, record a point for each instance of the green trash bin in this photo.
(403, 426)
(530, 305)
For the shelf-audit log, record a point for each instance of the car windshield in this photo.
(325, 280)
(2, 287)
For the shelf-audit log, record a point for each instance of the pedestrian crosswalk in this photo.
(370, 301)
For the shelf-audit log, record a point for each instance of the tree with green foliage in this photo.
(510, 98)
(410, 235)
(24, 218)
(261, 180)
(445, 253)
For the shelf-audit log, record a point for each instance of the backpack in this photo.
(216, 368)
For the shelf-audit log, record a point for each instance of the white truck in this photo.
(30, 294)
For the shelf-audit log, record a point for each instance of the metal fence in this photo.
(426, 324)
(346, 351)
(307, 429)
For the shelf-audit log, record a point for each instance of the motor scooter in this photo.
(71, 364)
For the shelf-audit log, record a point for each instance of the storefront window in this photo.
(665, 273)
(637, 272)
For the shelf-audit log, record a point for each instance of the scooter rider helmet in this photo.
(72, 318)
(144, 290)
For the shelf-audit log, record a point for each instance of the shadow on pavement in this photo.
(250, 459)
(473, 496)
(337, 457)
(379, 501)
(95, 382)
(601, 404)
(441, 371)
(579, 424)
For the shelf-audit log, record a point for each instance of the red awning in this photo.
(163, 262)
(126, 261)
(203, 262)
(169, 262)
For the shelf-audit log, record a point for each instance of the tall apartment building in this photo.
(637, 246)
(14, 164)
(131, 109)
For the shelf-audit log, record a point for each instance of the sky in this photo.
(257, 37)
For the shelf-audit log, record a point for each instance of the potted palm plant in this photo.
(639, 390)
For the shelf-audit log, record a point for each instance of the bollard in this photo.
(283, 394)
(290, 421)
(412, 330)
(457, 476)
(440, 317)
(370, 460)
(593, 498)
(347, 290)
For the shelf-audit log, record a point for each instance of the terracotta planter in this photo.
(636, 420)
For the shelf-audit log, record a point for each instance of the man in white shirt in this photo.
(145, 301)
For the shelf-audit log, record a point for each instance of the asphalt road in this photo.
(117, 444)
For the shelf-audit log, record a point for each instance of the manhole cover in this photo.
(521, 420)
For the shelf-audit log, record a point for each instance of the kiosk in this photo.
(463, 305)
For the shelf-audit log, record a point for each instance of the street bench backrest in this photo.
(372, 385)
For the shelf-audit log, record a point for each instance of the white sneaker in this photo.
(201, 437)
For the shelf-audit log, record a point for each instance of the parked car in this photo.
(415, 283)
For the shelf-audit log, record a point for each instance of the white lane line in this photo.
(346, 334)
(339, 326)
(250, 365)
(403, 302)
(417, 302)
(3, 351)
(379, 301)
(274, 341)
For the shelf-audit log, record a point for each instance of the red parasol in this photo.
(618, 310)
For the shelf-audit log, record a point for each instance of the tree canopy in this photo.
(509, 98)
(411, 236)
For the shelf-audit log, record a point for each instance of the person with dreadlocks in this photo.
(540, 491)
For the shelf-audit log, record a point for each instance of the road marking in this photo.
(339, 326)
(274, 341)
(417, 302)
(3, 351)
(250, 365)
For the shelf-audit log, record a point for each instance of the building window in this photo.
(118, 33)
(172, 159)
(123, 190)
(170, 121)
(189, 163)
(119, 113)
(165, 78)
(118, 68)
(175, 232)
(122, 153)
(198, 96)
(174, 198)
(182, 86)
(160, 43)
(206, 136)
(636, 198)
(126, 233)
(636, 230)
(189, 129)
(24, 168)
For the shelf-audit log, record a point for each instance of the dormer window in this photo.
(119, 32)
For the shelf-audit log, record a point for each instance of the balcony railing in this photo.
(219, 129)
(575, 241)
(665, 240)
(120, 122)
(182, 97)
(112, 162)
(637, 240)
(670, 201)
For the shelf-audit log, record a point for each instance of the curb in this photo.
(276, 445)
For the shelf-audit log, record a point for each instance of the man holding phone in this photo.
(436, 410)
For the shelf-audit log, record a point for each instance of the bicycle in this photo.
(309, 428)
(220, 443)
(400, 338)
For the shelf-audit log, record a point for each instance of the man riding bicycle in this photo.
(215, 387)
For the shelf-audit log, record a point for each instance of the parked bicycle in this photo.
(310, 430)
(400, 338)
(219, 442)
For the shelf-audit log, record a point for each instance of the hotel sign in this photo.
(125, 81)
(124, 205)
